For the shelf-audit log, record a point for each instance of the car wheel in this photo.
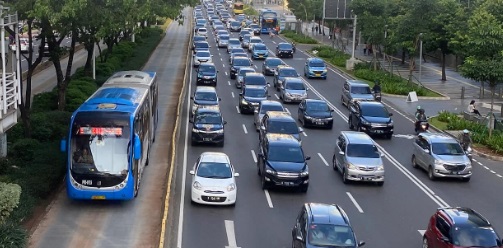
(334, 163)
(425, 243)
(431, 176)
(325, 78)
(342, 101)
(389, 136)
(380, 183)
(221, 144)
(304, 188)
(350, 123)
(414, 162)
(345, 179)
(193, 143)
(466, 179)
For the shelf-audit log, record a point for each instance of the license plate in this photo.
(378, 131)
(98, 197)
(287, 183)
(366, 178)
(319, 123)
(260, 56)
(214, 198)
(317, 74)
(206, 139)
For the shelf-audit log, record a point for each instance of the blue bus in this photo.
(109, 140)
(268, 19)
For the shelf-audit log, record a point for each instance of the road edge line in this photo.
(162, 235)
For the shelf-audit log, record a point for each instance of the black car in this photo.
(242, 34)
(278, 122)
(270, 64)
(254, 78)
(250, 97)
(316, 113)
(207, 126)
(237, 63)
(281, 73)
(323, 225)
(235, 26)
(281, 162)
(371, 118)
(284, 49)
(255, 28)
(207, 74)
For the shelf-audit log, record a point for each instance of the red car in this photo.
(460, 228)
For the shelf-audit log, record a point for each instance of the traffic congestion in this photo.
(302, 154)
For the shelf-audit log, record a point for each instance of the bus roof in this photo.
(131, 77)
(107, 98)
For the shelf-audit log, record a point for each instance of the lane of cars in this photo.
(298, 173)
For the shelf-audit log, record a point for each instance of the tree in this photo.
(482, 46)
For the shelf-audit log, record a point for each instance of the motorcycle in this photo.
(468, 151)
(377, 96)
(422, 126)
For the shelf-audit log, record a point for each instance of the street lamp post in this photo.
(384, 48)
(354, 39)
(420, 55)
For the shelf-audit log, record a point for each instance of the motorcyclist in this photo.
(420, 117)
(293, 46)
(377, 90)
(464, 139)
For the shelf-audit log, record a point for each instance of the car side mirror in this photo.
(236, 174)
(308, 158)
(192, 172)
(262, 128)
(255, 111)
(212, 55)
(390, 114)
(62, 145)
(307, 89)
(225, 122)
(191, 121)
(331, 110)
(361, 243)
(218, 71)
(426, 150)
(241, 94)
(341, 153)
(137, 147)
(219, 99)
(382, 154)
(191, 98)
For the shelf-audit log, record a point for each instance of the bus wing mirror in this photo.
(137, 147)
(62, 145)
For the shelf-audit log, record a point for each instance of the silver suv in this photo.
(442, 156)
(355, 90)
(357, 158)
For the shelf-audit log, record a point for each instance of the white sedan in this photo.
(202, 32)
(213, 180)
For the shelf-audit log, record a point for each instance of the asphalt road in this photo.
(390, 216)
(133, 223)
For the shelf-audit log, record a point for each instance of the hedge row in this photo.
(36, 164)
(479, 133)
(298, 38)
(331, 55)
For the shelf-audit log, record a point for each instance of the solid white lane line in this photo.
(304, 133)
(225, 73)
(268, 198)
(323, 159)
(254, 156)
(288, 111)
(232, 93)
(354, 202)
(275, 95)
(231, 235)
(229, 82)
(237, 108)
(494, 172)
(244, 129)
(499, 175)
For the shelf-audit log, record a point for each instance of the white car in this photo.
(202, 57)
(24, 45)
(214, 180)
(202, 32)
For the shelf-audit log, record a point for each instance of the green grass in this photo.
(298, 38)
(438, 124)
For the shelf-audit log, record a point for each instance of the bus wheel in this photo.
(136, 188)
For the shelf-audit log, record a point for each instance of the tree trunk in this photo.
(68, 73)
(491, 121)
(403, 56)
(89, 60)
(444, 78)
(374, 51)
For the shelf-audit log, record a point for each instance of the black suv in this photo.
(323, 225)
(270, 65)
(250, 97)
(207, 126)
(237, 63)
(460, 227)
(207, 74)
(370, 117)
(279, 122)
(281, 73)
(281, 162)
(284, 49)
(254, 78)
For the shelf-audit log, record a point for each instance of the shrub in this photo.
(24, 149)
(332, 55)
(46, 101)
(51, 125)
(9, 199)
(390, 83)
(298, 38)
(12, 236)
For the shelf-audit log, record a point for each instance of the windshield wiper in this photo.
(217, 177)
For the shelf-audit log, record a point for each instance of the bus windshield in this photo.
(100, 143)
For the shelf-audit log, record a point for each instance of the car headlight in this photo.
(244, 102)
(288, 94)
(352, 166)
(380, 167)
(308, 117)
(438, 162)
(269, 171)
(390, 124)
(194, 107)
(329, 118)
(304, 173)
(197, 185)
(219, 131)
(324, 70)
(365, 122)
(231, 187)
(194, 130)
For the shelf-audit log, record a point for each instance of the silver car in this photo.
(223, 41)
(233, 43)
(355, 90)
(263, 107)
(246, 41)
(241, 75)
(357, 158)
(202, 57)
(441, 156)
(293, 90)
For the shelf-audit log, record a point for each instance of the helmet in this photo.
(466, 131)
(418, 107)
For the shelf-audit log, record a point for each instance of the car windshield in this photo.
(208, 118)
(447, 149)
(206, 96)
(274, 62)
(199, 38)
(207, 68)
(214, 170)
(316, 64)
(326, 235)
(472, 236)
(288, 73)
(255, 92)
(375, 111)
(202, 30)
(255, 41)
(202, 45)
(271, 107)
(260, 47)
(243, 72)
(203, 54)
(239, 55)
(245, 32)
(291, 154)
(285, 46)
(237, 50)
(295, 86)
(223, 37)
(235, 24)
(317, 107)
(362, 151)
(234, 42)
(254, 26)
(284, 127)
(247, 38)
(255, 80)
(241, 62)
(360, 90)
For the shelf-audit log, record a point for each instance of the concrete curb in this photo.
(474, 151)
